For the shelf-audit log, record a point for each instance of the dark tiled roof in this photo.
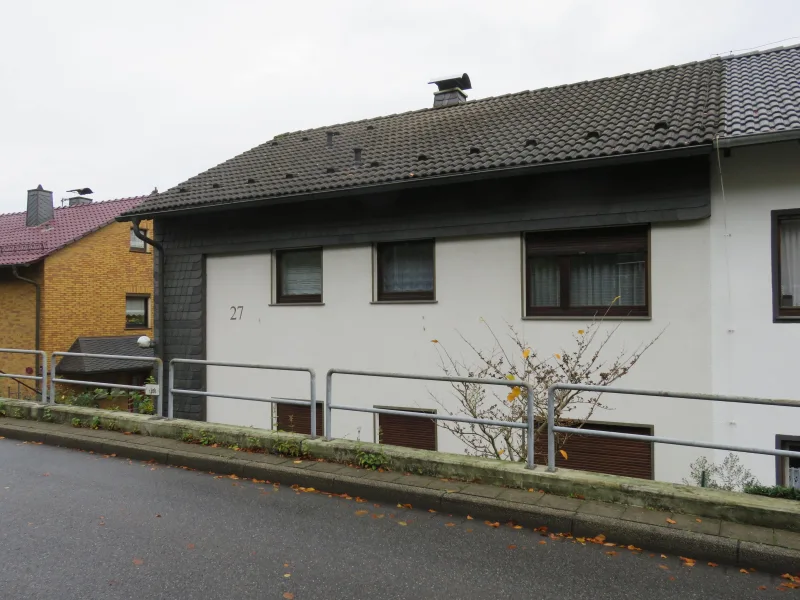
(761, 92)
(20, 245)
(661, 109)
(121, 345)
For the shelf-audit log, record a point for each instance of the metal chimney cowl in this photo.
(40, 207)
(451, 90)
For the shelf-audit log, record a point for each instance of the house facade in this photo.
(94, 280)
(652, 205)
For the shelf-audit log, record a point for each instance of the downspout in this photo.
(159, 342)
(38, 334)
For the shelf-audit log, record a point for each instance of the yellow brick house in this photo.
(73, 278)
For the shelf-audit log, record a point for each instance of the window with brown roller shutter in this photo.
(629, 458)
(411, 432)
(297, 419)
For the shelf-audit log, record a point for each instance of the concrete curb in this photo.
(582, 519)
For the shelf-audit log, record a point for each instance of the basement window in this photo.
(137, 309)
(587, 272)
(405, 271)
(137, 244)
(298, 276)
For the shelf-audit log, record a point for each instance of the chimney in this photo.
(79, 200)
(451, 90)
(40, 207)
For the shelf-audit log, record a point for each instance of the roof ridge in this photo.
(491, 98)
(756, 52)
(93, 203)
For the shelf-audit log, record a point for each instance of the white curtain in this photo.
(301, 273)
(407, 267)
(136, 311)
(597, 280)
(790, 262)
(545, 281)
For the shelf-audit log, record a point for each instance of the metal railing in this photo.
(552, 429)
(119, 386)
(210, 363)
(528, 426)
(41, 378)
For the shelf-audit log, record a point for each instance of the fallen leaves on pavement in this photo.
(288, 595)
(712, 564)
(469, 518)
(402, 523)
(190, 546)
(361, 513)
(138, 562)
(687, 562)
(490, 524)
(512, 547)
(745, 571)
(449, 524)
(671, 521)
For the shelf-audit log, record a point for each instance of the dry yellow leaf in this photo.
(469, 518)
(526, 353)
(434, 341)
(711, 564)
(361, 513)
(581, 332)
(671, 521)
(745, 571)
(288, 595)
(558, 356)
(449, 524)
(403, 523)
(563, 453)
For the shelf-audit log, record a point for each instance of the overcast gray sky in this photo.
(122, 97)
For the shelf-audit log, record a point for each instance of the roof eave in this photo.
(753, 139)
(499, 173)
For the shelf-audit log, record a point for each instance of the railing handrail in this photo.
(312, 403)
(42, 377)
(141, 388)
(552, 428)
(528, 426)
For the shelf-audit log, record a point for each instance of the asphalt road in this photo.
(75, 525)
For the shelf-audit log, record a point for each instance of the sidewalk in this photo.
(686, 535)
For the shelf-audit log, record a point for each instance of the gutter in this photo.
(159, 345)
(38, 334)
(753, 139)
(411, 182)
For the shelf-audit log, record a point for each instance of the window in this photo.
(786, 264)
(136, 312)
(586, 272)
(298, 276)
(137, 244)
(788, 474)
(405, 271)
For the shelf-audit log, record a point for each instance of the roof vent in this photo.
(290, 176)
(251, 180)
(330, 170)
(330, 135)
(40, 207)
(422, 157)
(593, 135)
(370, 127)
(451, 90)
(357, 155)
(661, 126)
(531, 143)
(305, 138)
(374, 163)
(474, 150)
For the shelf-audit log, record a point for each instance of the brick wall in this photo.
(86, 284)
(17, 323)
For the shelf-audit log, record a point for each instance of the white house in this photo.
(667, 195)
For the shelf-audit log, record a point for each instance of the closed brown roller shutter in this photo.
(629, 458)
(411, 432)
(297, 419)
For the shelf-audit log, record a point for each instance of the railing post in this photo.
(160, 375)
(44, 378)
(53, 377)
(170, 385)
(531, 428)
(551, 435)
(328, 410)
(313, 404)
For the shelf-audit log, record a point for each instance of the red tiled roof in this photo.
(21, 245)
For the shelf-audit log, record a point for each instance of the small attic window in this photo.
(357, 155)
(289, 176)
(474, 150)
(592, 135)
(374, 163)
(251, 180)
(661, 126)
(531, 143)
(422, 157)
(330, 170)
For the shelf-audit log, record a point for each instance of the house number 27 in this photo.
(236, 313)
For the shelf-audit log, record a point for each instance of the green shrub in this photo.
(773, 491)
(371, 460)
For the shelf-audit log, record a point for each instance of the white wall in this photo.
(752, 355)
(476, 278)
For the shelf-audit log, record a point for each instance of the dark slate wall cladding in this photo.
(667, 190)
